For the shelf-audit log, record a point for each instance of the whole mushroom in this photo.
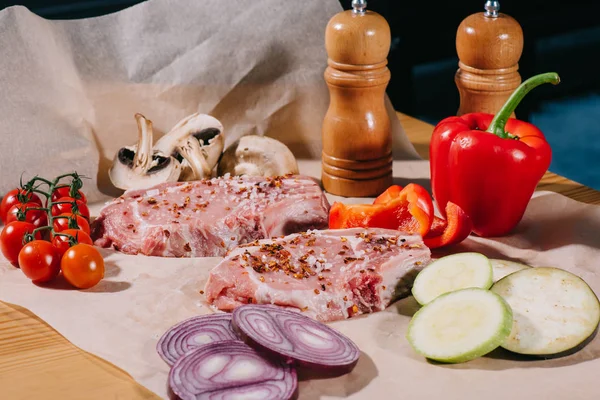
(256, 155)
(197, 142)
(139, 166)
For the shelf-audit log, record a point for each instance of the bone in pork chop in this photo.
(209, 217)
(329, 274)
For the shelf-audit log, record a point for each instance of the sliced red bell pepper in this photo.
(420, 207)
(342, 216)
(456, 228)
(437, 227)
(490, 165)
(391, 193)
(410, 211)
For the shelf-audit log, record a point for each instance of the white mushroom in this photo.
(197, 142)
(256, 155)
(139, 166)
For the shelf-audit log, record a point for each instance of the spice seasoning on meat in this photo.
(352, 259)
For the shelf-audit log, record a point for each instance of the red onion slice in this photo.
(192, 333)
(296, 337)
(231, 370)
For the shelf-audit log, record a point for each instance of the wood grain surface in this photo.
(36, 362)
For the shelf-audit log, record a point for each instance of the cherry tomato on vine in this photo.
(11, 239)
(82, 266)
(61, 224)
(65, 191)
(61, 243)
(11, 198)
(67, 208)
(36, 217)
(39, 261)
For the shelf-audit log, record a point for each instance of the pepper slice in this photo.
(391, 193)
(456, 228)
(411, 210)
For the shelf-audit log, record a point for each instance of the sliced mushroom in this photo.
(197, 142)
(139, 166)
(256, 155)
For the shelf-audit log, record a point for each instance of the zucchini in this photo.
(501, 268)
(450, 273)
(460, 326)
(555, 312)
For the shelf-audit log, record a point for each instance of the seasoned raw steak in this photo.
(209, 217)
(329, 274)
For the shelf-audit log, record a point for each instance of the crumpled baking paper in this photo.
(71, 88)
(70, 91)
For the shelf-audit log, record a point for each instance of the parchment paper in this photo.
(71, 88)
(122, 318)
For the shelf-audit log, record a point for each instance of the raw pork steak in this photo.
(209, 217)
(329, 274)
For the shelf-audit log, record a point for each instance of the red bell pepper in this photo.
(456, 228)
(391, 193)
(411, 210)
(490, 165)
(442, 232)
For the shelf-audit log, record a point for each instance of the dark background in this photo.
(560, 36)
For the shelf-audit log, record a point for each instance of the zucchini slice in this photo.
(554, 311)
(501, 268)
(460, 326)
(450, 273)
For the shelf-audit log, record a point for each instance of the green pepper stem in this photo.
(497, 127)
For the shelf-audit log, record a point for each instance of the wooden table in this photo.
(38, 363)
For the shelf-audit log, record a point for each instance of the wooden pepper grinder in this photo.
(357, 140)
(489, 46)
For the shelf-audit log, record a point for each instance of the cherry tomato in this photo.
(12, 198)
(64, 191)
(61, 224)
(11, 239)
(67, 208)
(61, 243)
(36, 217)
(82, 266)
(39, 261)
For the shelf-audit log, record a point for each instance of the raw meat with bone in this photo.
(328, 274)
(209, 217)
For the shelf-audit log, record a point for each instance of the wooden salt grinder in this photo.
(489, 46)
(357, 141)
